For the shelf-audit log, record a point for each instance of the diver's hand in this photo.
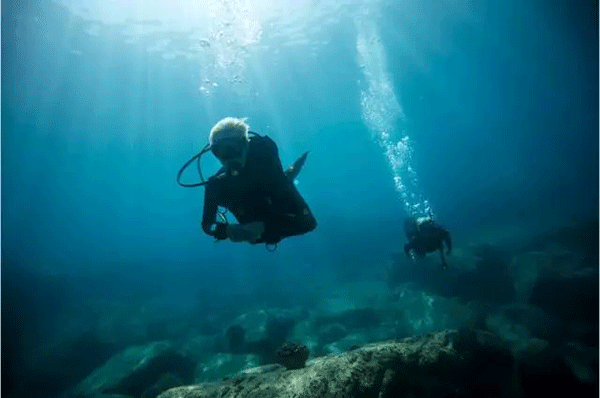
(255, 229)
(237, 233)
(250, 232)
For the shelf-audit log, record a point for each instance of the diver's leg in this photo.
(286, 223)
(293, 171)
(444, 263)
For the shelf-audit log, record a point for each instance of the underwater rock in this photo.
(490, 258)
(292, 355)
(272, 331)
(166, 382)
(135, 370)
(272, 323)
(493, 289)
(580, 238)
(330, 333)
(515, 336)
(448, 363)
(236, 338)
(359, 318)
(278, 328)
(349, 343)
(574, 300)
(525, 270)
(553, 370)
(197, 348)
(582, 360)
(265, 349)
(62, 366)
(168, 328)
(538, 322)
(417, 312)
(221, 365)
(490, 281)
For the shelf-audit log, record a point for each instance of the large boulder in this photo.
(360, 318)
(527, 268)
(450, 363)
(137, 371)
(574, 300)
(417, 312)
(486, 277)
(220, 365)
(272, 323)
(260, 333)
(62, 366)
(572, 369)
(579, 238)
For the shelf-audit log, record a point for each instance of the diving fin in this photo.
(293, 171)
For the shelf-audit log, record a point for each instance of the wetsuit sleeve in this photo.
(292, 218)
(209, 214)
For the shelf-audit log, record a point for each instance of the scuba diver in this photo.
(253, 186)
(425, 236)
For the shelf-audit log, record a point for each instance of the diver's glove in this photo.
(220, 232)
(249, 232)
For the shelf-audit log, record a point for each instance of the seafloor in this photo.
(516, 319)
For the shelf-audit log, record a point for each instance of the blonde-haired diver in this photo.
(253, 186)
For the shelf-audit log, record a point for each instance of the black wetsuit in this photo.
(426, 238)
(261, 191)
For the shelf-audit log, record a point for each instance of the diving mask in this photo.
(229, 148)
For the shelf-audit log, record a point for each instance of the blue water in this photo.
(481, 113)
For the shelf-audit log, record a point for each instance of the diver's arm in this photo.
(209, 215)
(235, 232)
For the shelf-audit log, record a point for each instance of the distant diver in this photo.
(425, 236)
(253, 186)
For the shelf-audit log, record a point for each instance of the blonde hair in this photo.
(229, 127)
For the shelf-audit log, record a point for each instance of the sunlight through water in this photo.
(227, 37)
(221, 35)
